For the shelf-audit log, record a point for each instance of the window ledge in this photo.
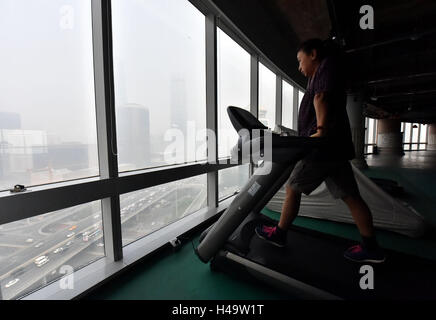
(95, 273)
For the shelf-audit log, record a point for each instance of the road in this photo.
(23, 241)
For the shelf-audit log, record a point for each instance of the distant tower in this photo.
(178, 106)
(133, 135)
(8, 121)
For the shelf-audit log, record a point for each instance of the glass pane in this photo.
(148, 210)
(42, 249)
(366, 130)
(267, 96)
(287, 105)
(375, 130)
(407, 147)
(300, 98)
(47, 110)
(160, 82)
(423, 134)
(232, 180)
(233, 88)
(407, 132)
(414, 147)
(422, 147)
(370, 149)
(371, 138)
(415, 132)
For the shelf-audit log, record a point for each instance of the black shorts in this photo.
(338, 176)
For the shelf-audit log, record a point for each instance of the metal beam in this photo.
(211, 108)
(254, 87)
(401, 78)
(279, 98)
(106, 123)
(410, 36)
(44, 199)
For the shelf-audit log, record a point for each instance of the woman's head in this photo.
(309, 54)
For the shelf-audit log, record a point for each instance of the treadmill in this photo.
(311, 265)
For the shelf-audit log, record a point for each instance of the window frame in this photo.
(111, 184)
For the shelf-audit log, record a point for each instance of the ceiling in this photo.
(393, 65)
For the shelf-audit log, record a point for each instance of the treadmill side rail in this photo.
(254, 196)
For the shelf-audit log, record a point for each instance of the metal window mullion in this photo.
(254, 93)
(106, 128)
(367, 142)
(411, 135)
(254, 86)
(211, 107)
(279, 99)
(426, 136)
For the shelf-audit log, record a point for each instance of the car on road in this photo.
(69, 243)
(96, 216)
(30, 240)
(11, 283)
(70, 234)
(57, 250)
(72, 228)
(88, 235)
(40, 261)
(39, 244)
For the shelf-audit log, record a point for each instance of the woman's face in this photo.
(307, 62)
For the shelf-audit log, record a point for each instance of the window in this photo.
(370, 135)
(160, 82)
(231, 180)
(47, 110)
(288, 105)
(233, 88)
(423, 137)
(414, 136)
(148, 210)
(300, 98)
(42, 249)
(267, 96)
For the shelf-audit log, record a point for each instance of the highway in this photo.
(76, 233)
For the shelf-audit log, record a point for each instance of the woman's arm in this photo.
(321, 110)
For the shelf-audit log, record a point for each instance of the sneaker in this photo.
(271, 235)
(359, 253)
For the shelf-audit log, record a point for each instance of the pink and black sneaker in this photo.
(273, 235)
(359, 253)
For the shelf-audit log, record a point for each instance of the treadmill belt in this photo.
(317, 259)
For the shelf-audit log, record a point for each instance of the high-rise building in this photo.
(133, 136)
(8, 120)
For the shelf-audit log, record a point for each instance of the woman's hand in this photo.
(316, 135)
(320, 132)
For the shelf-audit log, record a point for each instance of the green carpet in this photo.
(182, 276)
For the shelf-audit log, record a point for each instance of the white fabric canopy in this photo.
(388, 212)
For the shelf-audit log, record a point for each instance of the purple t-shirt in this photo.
(328, 78)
